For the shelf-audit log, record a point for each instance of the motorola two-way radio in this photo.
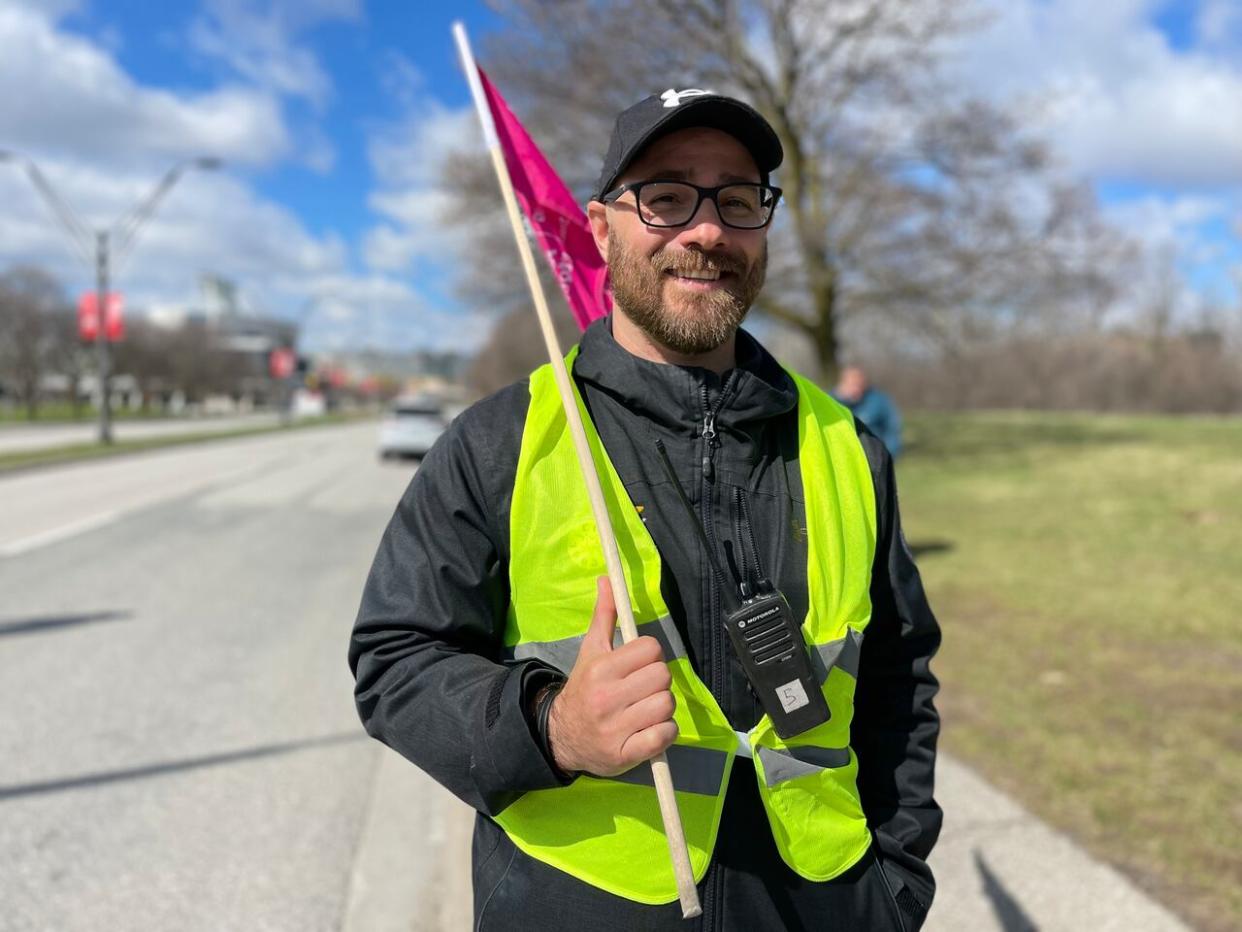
(767, 640)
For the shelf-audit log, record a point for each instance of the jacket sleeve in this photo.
(430, 682)
(895, 721)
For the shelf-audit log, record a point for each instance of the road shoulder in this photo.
(411, 869)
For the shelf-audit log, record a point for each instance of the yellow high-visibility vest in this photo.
(608, 832)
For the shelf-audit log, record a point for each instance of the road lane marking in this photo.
(272, 455)
(81, 526)
(93, 522)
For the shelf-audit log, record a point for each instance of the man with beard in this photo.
(485, 651)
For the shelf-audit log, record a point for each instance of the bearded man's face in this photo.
(689, 287)
(691, 315)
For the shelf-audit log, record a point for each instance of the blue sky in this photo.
(358, 52)
(331, 115)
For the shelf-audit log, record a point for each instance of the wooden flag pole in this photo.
(686, 890)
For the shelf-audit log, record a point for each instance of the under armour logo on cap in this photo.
(673, 98)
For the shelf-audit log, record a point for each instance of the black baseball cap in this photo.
(661, 114)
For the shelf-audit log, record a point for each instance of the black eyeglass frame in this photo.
(704, 193)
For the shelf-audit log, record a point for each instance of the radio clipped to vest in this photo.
(767, 640)
(769, 644)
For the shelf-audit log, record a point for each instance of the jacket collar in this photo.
(673, 396)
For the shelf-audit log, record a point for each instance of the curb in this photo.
(411, 870)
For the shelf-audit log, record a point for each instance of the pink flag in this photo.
(560, 225)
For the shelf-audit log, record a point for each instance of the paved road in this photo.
(178, 744)
(179, 749)
(42, 506)
(16, 438)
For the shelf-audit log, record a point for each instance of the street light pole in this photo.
(109, 244)
(102, 350)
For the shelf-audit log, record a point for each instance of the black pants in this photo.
(747, 887)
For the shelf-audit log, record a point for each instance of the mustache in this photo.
(683, 261)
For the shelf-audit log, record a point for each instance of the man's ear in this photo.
(597, 216)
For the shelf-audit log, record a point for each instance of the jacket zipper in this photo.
(743, 567)
(714, 881)
(746, 530)
(709, 435)
(706, 503)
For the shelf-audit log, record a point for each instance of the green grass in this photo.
(61, 413)
(1087, 572)
(55, 456)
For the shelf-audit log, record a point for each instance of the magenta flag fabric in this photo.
(560, 225)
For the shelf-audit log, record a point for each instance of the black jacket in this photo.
(431, 685)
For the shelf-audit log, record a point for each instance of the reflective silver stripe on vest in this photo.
(843, 653)
(779, 766)
(562, 654)
(694, 770)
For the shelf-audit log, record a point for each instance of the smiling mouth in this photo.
(698, 275)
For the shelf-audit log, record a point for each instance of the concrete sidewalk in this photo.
(998, 868)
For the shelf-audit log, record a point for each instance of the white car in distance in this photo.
(410, 428)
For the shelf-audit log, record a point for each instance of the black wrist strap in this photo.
(542, 711)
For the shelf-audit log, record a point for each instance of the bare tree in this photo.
(198, 365)
(30, 299)
(145, 355)
(71, 356)
(515, 348)
(904, 200)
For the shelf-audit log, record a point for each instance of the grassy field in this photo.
(1087, 572)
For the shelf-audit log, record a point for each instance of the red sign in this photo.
(88, 317)
(281, 362)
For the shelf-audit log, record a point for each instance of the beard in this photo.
(701, 321)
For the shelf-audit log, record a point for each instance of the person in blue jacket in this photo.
(871, 406)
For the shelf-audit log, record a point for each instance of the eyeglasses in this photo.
(745, 206)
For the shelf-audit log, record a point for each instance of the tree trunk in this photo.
(75, 398)
(823, 332)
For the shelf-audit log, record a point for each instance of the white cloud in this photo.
(53, 8)
(295, 72)
(102, 141)
(1181, 229)
(408, 159)
(207, 223)
(214, 224)
(400, 79)
(1166, 221)
(1219, 23)
(1116, 98)
(389, 249)
(86, 103)
(258, 41)
(412, 151)
(380, 310)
